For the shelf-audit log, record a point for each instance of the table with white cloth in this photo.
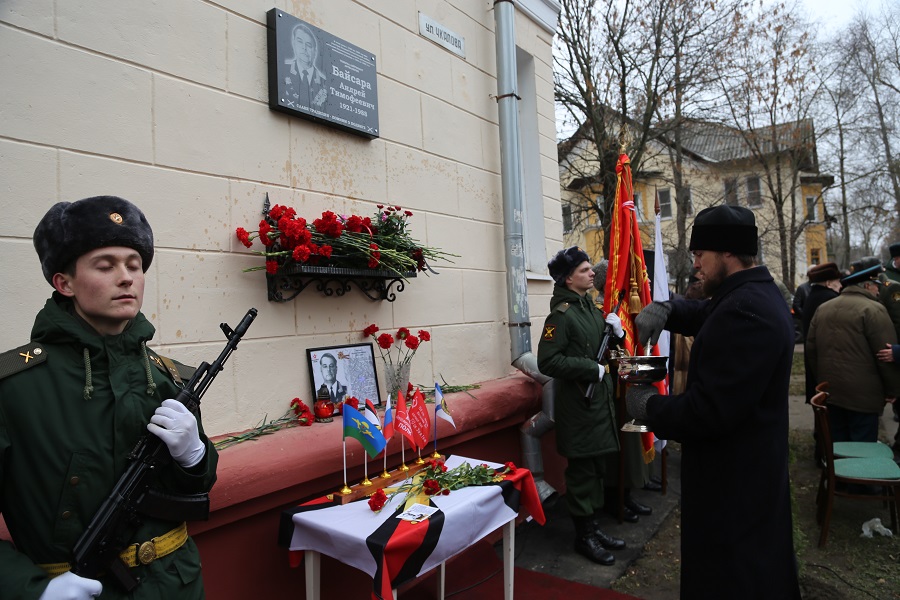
(393, 551)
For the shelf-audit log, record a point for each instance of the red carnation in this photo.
(264, 230)
(370, 330)
(424, 335)
(412, 342)
(276, 212)
(271, 267)
(378, 500)
(301, 253)
(325, 251)
(402, 333)
(385, 340)
(352, 401)
(510, 467)
(431, 487)
(244, 237)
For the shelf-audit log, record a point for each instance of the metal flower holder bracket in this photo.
(377, 285)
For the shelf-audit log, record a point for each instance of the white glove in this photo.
(174, 424)
(70, 586)
(613, 320)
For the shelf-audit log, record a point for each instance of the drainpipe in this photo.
(516, 282)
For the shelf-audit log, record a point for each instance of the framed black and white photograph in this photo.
(344, 371)
(317, 76)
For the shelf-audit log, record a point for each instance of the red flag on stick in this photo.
(627, 272)
(420, 420)
(402, 421)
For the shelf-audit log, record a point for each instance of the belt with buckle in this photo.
(142, 553)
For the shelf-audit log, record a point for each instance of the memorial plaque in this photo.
(317, 76)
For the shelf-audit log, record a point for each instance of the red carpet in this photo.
(477, 574)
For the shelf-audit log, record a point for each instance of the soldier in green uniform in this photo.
(586, 430)
(75, 400)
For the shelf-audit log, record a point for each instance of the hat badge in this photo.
(116, 218)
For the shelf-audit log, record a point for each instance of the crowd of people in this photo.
(733, 346)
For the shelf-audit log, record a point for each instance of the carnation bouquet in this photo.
(404, 342)
(436, 480)
(382, 242)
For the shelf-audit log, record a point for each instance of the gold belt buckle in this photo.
(146, 552)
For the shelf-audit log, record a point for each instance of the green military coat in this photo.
(568, 352)
(68, 420)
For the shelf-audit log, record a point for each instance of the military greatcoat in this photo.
(568, 352)
(68, 420)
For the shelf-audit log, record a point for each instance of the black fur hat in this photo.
(725, 229)
(70, 229)
(565, 261)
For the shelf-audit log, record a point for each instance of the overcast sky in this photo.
(836, 13)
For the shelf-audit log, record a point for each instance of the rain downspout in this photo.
(513, 211)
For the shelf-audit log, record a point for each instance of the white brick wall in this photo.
(164, 102)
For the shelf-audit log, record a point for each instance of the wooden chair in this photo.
(878, 472)
(856, 449)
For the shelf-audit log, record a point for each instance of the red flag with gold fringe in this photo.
(627, 272)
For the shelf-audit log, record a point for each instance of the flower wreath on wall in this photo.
(382, 242)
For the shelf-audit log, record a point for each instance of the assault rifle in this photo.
(604, 344)
(120, 515)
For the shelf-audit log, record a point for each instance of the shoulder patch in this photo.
(178, 372)
(562, 307)
(549, 332)
(21, 358)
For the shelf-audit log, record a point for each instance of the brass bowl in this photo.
(642, 369)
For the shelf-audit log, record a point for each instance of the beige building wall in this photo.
(166, 103)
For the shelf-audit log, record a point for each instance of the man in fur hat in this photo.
(732, 419)
(73, 403)
(586, 430)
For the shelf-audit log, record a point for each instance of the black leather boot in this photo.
(588, 544)
(636, 507)
(607, 541)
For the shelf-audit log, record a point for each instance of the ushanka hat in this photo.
(565, 261)
(824, 272)
(725, 229)
(895, 250)
(70, 229)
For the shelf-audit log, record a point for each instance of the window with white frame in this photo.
(639, 206)
(754, 192)
(665, 203)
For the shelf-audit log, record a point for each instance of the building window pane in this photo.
(815, 256)
(731, 192)
(665, 203)
(811, 207)
(639, 206)
(566, 218)
(754, 197)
